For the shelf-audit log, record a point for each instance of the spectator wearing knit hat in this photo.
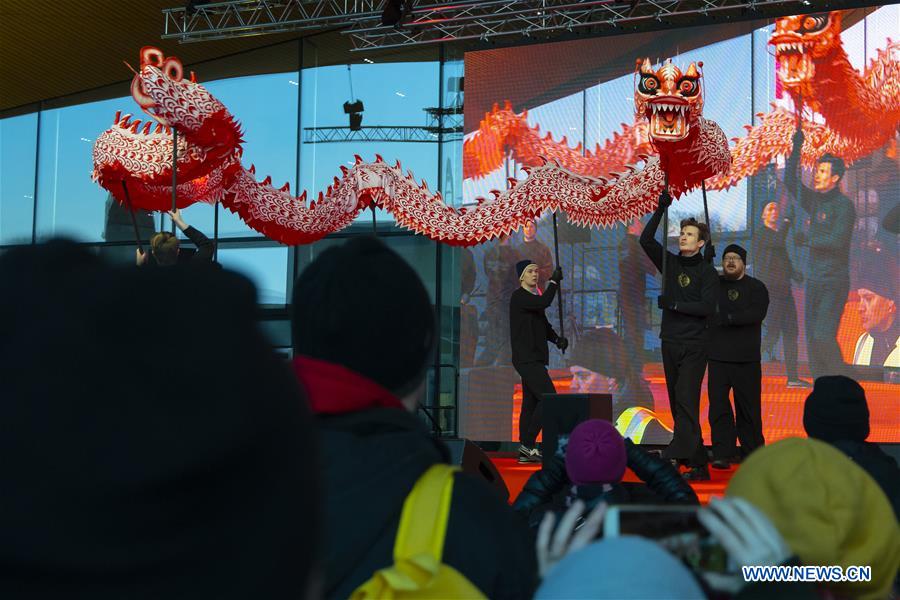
(529, 332)
(126, 479)
(734, 361)
(364, 335)
(836, 412)
(589, 466)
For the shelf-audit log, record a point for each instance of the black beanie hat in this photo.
(836, 410)
(154, 444)
(521, 266)
(737, 250)
(362, 306)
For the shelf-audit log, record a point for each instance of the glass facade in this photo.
(294, 115)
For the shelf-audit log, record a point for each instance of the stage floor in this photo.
(515, 476)
(782, 407)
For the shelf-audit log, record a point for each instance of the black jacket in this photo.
(832, 219)
(876, 463)
(371, 460)
(529, 329)
(692, 284)
(546, 488)
(771, 262)
(742, 307)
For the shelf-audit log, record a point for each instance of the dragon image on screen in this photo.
(611, 112)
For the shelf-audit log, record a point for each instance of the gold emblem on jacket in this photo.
(684, 280)
(733, 295)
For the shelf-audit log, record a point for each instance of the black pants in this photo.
(781, 321)
(823, 306)
(684, 366)
(745, 422)
(535, 383)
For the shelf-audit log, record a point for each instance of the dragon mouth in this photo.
(795, 65)
(669, 120)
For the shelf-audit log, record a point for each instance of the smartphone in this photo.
(676, 528)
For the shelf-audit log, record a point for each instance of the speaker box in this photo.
(563, 412)
(472, 459)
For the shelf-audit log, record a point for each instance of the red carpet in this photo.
(515, 476)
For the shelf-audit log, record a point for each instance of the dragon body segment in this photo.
(861, 113)
(689, 148)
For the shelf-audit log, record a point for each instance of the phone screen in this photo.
(676, 528)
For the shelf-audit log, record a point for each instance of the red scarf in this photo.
(335, 389)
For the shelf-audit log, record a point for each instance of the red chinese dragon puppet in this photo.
(688, 150)
(861, 113)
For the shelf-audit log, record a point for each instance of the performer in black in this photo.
(734, 361)
(166, 250)
(691, 292)
(832, 219)
(770, 254)
(529, 331)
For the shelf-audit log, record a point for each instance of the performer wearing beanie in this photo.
(529, 331)
(734, 361)
(691, 292)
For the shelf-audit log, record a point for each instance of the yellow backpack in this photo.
(417, 571)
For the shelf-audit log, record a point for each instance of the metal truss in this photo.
(434, 21)
(381, 133)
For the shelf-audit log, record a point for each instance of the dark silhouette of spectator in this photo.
(837, 412)
(364, 337)
(827, 509)
(130, 470)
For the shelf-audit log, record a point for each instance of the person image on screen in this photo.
(529, 332)
(600, 365)
(499, 267)
(734, 361)
(773, 264)
(691, 291)
(879, 345)
(538, 251)
(832, 219)
(633, 270)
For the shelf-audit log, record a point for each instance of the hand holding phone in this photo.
(747, 535)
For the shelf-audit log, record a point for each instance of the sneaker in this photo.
(798, 383)
(721, 464)
(529, 455)
(697, 474)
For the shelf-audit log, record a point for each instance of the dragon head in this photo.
(800, 39)
(669, 99)
(162, 91)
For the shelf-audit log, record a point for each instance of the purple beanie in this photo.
(595, 454)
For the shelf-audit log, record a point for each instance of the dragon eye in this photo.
(648, 84)
(813, 23)
(172, 67)
(688, 87)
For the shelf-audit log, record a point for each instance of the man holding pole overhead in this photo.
(690, 290)
(529, 332)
